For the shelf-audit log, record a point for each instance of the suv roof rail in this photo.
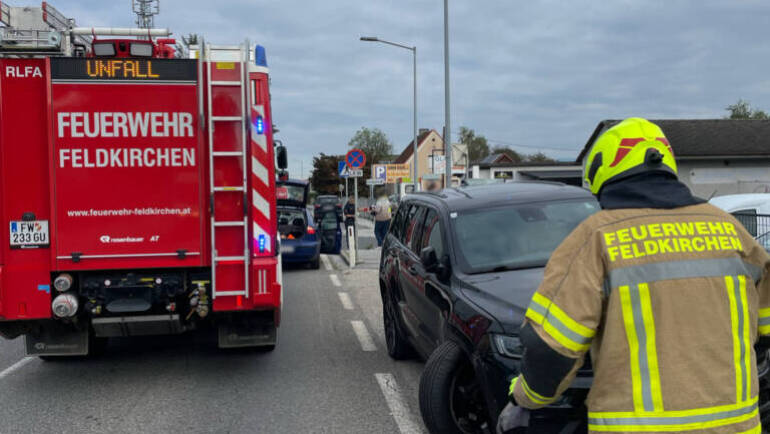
(438, 193)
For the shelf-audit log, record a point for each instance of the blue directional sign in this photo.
(342, 169)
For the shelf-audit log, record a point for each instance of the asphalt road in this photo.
(330, 373)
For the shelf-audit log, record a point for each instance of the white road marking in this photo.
(327, 264)
(398, 408)
(347, 303)
(335, 280)
(15, 367)
(364, 338)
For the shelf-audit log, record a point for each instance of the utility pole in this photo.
(447, 124)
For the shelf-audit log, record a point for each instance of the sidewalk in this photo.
(368, 252)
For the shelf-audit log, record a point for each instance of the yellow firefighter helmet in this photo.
(633, 146)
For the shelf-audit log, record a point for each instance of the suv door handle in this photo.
(412, 270)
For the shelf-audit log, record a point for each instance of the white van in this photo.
(753, 210)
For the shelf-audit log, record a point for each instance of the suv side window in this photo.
(410, 225)
(397, 225)
(433, 235)
(417, 235)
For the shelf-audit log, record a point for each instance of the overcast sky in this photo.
(535, 75)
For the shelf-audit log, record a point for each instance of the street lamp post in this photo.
(448, 134)
(414, 99)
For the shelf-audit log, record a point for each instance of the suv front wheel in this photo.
(451, 399)
(399, 347)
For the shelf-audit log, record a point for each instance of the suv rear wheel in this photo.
(399, 347)
(451, 399)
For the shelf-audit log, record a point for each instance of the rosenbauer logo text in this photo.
(125, 125)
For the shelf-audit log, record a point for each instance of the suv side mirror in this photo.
(429, 259)
(281, 157)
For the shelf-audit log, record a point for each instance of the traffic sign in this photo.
(342, 187)
(375, 181)
(355, 159)
(355, 173)
(342, 169)
(391, 173)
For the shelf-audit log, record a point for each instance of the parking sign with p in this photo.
(380, 171)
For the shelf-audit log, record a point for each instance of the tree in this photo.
(183, 48)
(515, 156)
(477, 145)
(742, 110)
(373, 142)
(324, 177)
(377, 148)
(540, 158)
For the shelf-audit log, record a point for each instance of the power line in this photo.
(503, 142)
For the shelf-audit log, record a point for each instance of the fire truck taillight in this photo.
(65, 305)
(63, 282)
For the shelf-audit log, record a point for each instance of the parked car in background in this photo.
(300, 243)
(457, 272)
(329, 228)
(324, 200)
(752, 210)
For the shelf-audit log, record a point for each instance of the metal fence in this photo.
(756, 224)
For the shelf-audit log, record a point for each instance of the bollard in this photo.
(351, 246)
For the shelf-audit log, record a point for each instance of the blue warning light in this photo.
(262, 242)
(260, 57)
(259, 124)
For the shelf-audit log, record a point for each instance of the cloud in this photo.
(539, 73)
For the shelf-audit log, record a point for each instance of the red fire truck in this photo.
(137, 191)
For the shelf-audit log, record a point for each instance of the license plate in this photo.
(29, 234)
(287, 249)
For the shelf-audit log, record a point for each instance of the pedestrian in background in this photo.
(381, 218)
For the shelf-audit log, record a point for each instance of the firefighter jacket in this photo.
(670, 303)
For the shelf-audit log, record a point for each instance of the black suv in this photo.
(457, 272)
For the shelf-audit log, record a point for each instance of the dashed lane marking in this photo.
(15, 367)
(347, 303)
(327, 264)
(364, 338)
(335, 280)
(398, 408)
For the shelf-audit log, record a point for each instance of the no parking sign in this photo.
(355, 159)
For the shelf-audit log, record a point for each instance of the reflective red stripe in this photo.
(627, 144)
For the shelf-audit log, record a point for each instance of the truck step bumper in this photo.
(145, 325)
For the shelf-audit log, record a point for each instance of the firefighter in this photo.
(668, 293)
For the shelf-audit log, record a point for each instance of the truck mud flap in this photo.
(56, 341)
(145, 325)
(246, 335)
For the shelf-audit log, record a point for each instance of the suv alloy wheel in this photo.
(451, 399)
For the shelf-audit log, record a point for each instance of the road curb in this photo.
(344, 255)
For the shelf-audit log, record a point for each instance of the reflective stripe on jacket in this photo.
(670, 303)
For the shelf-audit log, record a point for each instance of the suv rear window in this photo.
(517, 236)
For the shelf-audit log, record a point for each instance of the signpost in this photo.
(371, 182)
(355, 161)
